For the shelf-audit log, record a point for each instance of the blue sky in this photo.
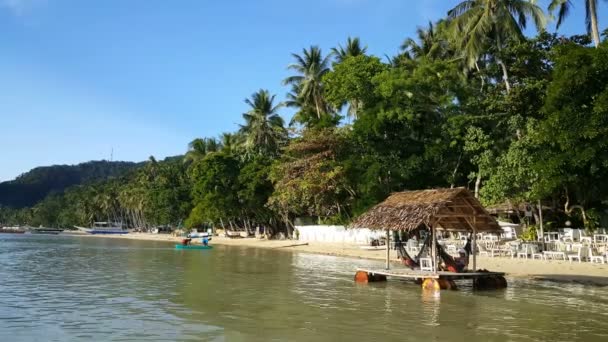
(145, 77)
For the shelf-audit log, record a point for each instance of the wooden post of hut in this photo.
(474, 244)
(433, 248)
(388, 248)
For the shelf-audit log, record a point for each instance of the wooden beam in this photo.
(388, 248)
(474, 246)
(458, 215)
(434, 248)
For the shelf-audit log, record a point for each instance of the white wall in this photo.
(338, 234)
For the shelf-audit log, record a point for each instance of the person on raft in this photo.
(186, 241)
(462, 261)
(205, 241)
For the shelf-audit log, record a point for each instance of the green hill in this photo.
(34, 185)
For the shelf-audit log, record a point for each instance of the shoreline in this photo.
(559, 271)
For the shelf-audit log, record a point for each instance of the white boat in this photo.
(103, 228)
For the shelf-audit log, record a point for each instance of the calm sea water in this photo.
(61, 288)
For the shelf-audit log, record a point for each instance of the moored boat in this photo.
(103, 228)
(12, 230)
(192, 247)
(41, 230)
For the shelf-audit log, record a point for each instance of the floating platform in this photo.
(434, 280)
(192, 247)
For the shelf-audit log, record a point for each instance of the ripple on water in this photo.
(62, 288)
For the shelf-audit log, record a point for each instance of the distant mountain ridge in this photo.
(34, 185)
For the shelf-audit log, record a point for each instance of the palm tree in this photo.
(199, 148)
(431, 42)
(479, 23)
(426, 37)
(311, 67)
(353, 48)
(590, 19)
(264, 129)
(229, 142)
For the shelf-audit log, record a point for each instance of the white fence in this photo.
(338, 234)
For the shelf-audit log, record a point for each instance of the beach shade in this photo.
(437, 209)
(446, 209)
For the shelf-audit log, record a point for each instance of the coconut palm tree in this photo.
(264, 129)
(477, 24)
(431, 42)
(230, 142)
(426, 40)
(199, 148)
(563, 9)
(310, 68)
(353, 48)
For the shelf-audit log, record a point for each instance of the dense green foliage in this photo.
(480, 106)
(31, 187)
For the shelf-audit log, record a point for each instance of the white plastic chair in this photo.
(580, 254)
(593, 258)
(481, 249)
(426, 264)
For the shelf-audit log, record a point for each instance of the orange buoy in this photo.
(431, 284)
(361, 277)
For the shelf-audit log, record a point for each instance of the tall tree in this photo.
(310, 68)
(199, 148)
(353, 48)
(563, 9)
(430, 42)
(264, 129)
(480, 24)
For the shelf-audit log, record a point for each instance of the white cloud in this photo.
(20, 7)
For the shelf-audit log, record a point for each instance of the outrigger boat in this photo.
(103, 228)
(193, 247)
(41, 230)
(12, 230)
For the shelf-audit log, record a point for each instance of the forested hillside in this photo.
(33, 186)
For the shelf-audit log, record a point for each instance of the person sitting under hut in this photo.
(462, 261)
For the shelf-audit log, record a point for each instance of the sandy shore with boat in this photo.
(555, 270)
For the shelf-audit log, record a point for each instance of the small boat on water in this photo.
(12, 230)
(103, 228)
(42, 230)
(192, 247)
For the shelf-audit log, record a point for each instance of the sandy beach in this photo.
(555, 270)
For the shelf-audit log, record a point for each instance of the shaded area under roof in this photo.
(448, 209)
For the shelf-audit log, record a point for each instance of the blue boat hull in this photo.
(192, 247)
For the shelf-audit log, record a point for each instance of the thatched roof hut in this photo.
(447, 209)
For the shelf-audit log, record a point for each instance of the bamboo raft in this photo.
(413, 274)
(439, 280)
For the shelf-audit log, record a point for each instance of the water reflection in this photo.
(97, 289)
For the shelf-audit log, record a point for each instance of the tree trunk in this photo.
(452, 183)
(595, 33)
(483, 79)
(477, 184)
(505, 75)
